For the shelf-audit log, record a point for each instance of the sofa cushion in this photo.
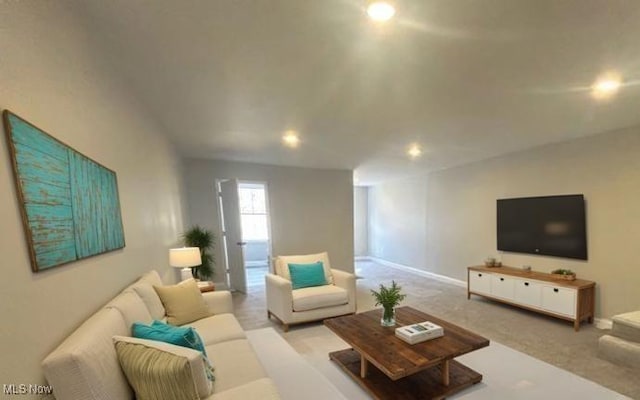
(218, 328)
(183, 302)
(85, 365)
(151, 277)
(236, 364)
(150, 298)
(263, 389)
(282, 267)
(132, 308)
(161, 371)
(311, 298)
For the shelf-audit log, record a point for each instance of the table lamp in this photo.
(185, 258)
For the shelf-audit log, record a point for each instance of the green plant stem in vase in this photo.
(388, 316)
(388, 298)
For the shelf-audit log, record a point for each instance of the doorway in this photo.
(245, 228)
(254, 216)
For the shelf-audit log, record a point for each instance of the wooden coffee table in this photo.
(404, 371)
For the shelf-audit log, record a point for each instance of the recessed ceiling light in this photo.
(414, 151)
(291, 139)
(606, 86)
(381, 11)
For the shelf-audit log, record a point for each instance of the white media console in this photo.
(537, 291)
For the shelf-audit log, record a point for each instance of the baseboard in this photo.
(416, 271)
(603, 323)
(362, 258)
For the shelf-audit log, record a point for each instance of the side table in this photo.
(206, 286)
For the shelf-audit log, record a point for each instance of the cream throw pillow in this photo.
(162, 371)
(183, 302)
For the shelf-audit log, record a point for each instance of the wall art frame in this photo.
(69, 203)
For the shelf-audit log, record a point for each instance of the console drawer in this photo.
(503, 287)
(559, 300)
(480, 282)
(528, 292)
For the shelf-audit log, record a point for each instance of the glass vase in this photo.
(388, 316)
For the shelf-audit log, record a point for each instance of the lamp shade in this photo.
(185, 257)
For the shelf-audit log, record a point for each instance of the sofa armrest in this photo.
(279, 296)
(347, 281)
(219, 302)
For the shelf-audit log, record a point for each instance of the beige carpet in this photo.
(547, 339)
(507, 374)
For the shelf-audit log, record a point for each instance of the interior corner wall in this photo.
(397, 221)
(461, 211)
(361, 220)
(53, 78)
(311, 210)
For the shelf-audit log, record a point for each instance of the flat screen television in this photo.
(550, 225)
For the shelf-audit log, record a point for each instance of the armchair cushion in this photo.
(282, 264)
(312, 298)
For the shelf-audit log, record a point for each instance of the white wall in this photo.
(50, 76)
(311, 210)
(397, 222)
(361, 220)
(461, 211)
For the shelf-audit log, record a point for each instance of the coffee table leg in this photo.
(445, 372)
(364, 366)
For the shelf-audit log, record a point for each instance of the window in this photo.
(253, 212)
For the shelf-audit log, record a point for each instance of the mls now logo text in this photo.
(23, 388)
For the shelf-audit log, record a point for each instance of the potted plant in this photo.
(204, 240)
(388, 298)
(565, 274)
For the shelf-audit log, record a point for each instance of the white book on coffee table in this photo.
(420, 332)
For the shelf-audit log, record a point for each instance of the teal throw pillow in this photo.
(180, 336)
(307, 275)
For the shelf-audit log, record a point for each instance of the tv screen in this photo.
(552, 226)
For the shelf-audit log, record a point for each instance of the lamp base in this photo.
(185, 273)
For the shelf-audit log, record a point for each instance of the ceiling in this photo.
(467, 79)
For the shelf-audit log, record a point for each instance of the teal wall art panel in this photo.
(69, 203)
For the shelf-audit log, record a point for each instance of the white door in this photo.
(233, 235)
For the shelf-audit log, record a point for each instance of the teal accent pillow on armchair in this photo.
(307, 275)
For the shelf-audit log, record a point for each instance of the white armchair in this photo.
(289, 306)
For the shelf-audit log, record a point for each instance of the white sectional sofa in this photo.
(85, 366)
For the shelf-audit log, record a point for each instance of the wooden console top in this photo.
(540, 276)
